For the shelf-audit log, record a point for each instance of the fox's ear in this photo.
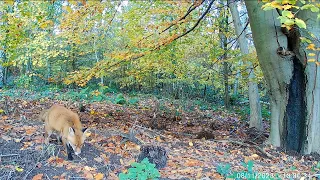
(84, 130)
(86, 133)
(71, 131)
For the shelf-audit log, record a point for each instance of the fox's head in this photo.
(76, 139)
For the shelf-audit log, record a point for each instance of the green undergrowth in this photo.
(143, 170)
(107, 94)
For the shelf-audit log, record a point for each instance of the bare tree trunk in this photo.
(1, 76)
(254, 97)
(223, 44)
(294, 85)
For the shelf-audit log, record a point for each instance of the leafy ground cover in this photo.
(202, 143)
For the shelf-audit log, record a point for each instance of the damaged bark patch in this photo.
(296, 108)
(295, 116)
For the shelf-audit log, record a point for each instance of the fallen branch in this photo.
(266, 154)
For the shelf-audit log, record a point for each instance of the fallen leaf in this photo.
(37, 177)
(158, 139)
(254, 156)
(98, 176)
(89, 176)
(190, 143)
(137, 147)
(88, 133)
(98, 159)
(19, 169)
(193, 162)
(7, 138)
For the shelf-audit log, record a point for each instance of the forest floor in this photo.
(198, 143)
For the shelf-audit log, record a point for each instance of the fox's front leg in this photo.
(59, 138)
(68, 148)
(47, 134)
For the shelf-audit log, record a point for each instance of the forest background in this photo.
(172, 58)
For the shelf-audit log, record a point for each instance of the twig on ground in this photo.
(47, 176)
(82, 159)
(8, 155)
(27, 174)
(77, 177)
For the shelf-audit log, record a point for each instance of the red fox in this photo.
(67, 123)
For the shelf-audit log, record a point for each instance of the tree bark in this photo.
(293, 84)
(254, 97)
(223, 44)
(312, 72)
(1, 76)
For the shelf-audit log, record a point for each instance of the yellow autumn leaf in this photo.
(1, 111)
(287, 6)
(88, 133)
(311, 54)
(158, 139)
(318, 63)
(254, 156)
(275, 4)
(43, 25)
(311, 60)
(98, 176)
(67, 8)
(10, 2)
(311, 46)
(19, 169)
(190, 143)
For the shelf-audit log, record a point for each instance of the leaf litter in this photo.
(197, 142)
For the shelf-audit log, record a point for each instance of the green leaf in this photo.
(120, 99)
(300, 23)
(307, 6)
(287, 14)
(282, 19)
(289, 22)
(314, 9)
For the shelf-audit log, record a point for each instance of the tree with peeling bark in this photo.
(294, 83)
(254, 97)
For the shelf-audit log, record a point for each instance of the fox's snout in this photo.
(77, 151)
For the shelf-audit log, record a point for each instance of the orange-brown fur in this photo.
(67, 124)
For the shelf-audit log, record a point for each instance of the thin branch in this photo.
(198, 22)
(114, 15)
(191, 8)
(183, 17)
(251, 69)
(234, 40)
(157, 47)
